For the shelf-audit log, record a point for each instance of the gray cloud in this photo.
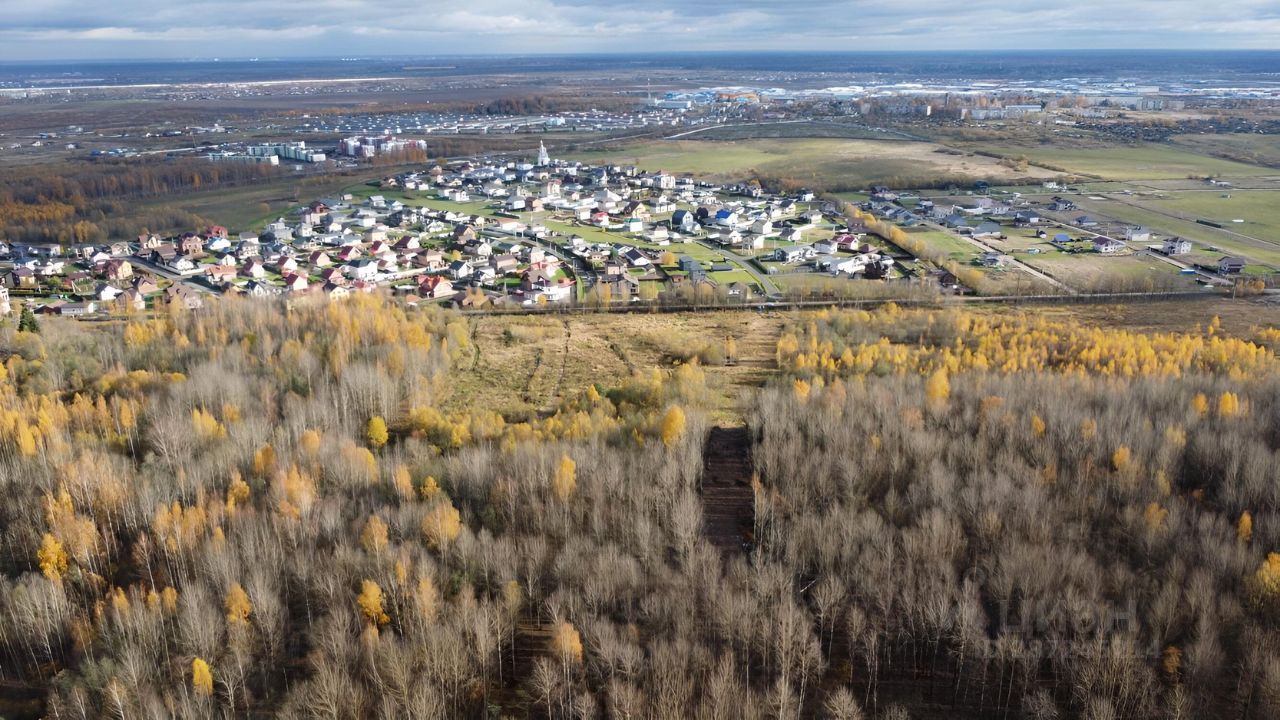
(36, 29)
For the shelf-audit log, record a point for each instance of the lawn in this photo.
(820, 163)
(945, 242)
(1129, 162)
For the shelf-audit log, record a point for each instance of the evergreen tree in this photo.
(27, 321)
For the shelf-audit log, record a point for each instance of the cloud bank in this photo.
(50, 29)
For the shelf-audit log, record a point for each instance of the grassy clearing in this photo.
(821, 163)
(1253, 149)
(1258, 249)
(522, 365)
(1260, 209)
(1136, 162)
(945, 242)
(1091, 271)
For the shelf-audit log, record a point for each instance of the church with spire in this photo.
(544, 158)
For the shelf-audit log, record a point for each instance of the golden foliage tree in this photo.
(201, 677)
(1267, 579)
(566, 642)
(938, 387)
(673, 423)
(373, 537)
(1121, 458)
(52, 558)
(376, 432)
(442, 524)
(402, 480)
(1037, 426)
(1229, 405)
(237, 492)
(1244, 527)
(238, 606)
(370, 603)
(1200, 404)
(565, 479)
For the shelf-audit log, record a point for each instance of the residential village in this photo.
(500, 234)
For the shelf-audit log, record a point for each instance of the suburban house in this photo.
(986, 229)
(435, 286)
(791, 255)
(1107, 245)
(459, 269)
(118, 269)
(684, 221)
(1176, 246)
(1231, 265)
(1137, 234)
(253, 268)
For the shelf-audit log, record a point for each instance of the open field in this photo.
(1254, 149)
(821, 163)
(1092, 271)
(1241, 318)
(523, 365)
(954, 247)
(1260, 209)
(1128, 162)
(1165, 221)
(811, 129)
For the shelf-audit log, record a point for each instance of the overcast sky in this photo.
(51, 29)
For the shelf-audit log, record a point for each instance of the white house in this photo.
(1176, 246)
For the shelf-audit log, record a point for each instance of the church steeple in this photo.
(544, 158)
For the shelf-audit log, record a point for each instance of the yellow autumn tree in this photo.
(1244, 527)
(1200, 404)
(1037, 426)
(1266, 580)
(566, 642)
(1229, 405)
(310, 442)
(206, 426)
(238, 606)
(429, 488)
(373, 538)
(52, 558)
(237, 492)
(1121, 458)
(1154, 515)
(442, 524)
(402, 480)
(201, 677)
(938, 387)
(565, 479)
(376, 432)
(370, 603)
(673, 423)
(264, 459)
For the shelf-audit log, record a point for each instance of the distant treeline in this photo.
(49, 204)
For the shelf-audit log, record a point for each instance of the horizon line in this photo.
(635, 53)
